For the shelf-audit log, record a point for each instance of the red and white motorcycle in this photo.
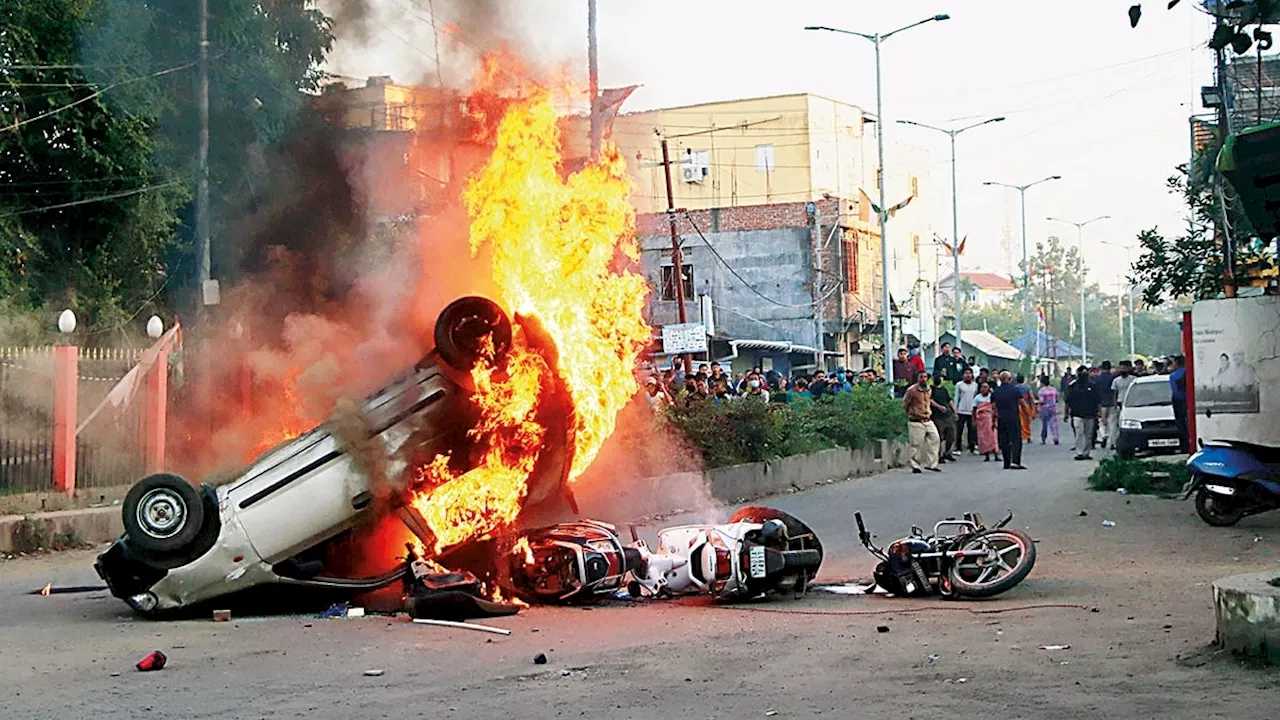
(759, 551)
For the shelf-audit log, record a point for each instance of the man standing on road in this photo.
(958, 366)
(1082, 400)
(944, 418)
(1106, 403)
(902, 373)
(966, 391)
(1119, 386)
(943, 364)
(921, 432)
(1178, 383)
(1008, 401)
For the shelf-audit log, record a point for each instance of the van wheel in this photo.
(163, 514)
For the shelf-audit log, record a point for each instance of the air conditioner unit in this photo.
(692, 173)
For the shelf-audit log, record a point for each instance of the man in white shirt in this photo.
(1119, 386)
(966, 391)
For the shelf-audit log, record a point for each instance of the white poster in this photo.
(686, 338)
(1237, 369)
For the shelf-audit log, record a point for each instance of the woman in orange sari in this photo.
(1027, 408)
(984, 418)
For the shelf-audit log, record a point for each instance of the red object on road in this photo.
(154, 660)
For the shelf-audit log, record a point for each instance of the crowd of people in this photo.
(987, 412)
(712, 382)
(992, 413)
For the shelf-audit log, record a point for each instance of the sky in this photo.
(1085, 96)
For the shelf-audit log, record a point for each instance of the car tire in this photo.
(462, 328)
(163, 514)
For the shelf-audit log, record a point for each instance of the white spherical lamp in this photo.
(155, 327)
(67, 322)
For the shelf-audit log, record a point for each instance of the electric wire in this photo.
(748, 285)
(91, 96)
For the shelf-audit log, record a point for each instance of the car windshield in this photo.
(1149, 395)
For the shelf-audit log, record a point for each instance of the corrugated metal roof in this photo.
(988, 344)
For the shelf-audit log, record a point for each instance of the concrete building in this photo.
(1253, 90)
(747, 171)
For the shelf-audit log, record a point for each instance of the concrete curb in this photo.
(91, 525)
(626, 501)
(1247, 610)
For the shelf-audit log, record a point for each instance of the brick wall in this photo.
(741, 219)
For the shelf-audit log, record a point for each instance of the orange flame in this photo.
(522, 547)
(557, 247)
(48, 588)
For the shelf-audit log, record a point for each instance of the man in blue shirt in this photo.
(1178, 383)
(1007, 399)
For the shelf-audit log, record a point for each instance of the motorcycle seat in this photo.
(1265, 454)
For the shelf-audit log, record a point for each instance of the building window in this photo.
(915, 186)
(668, 286)
(850, 251)
(765, 158)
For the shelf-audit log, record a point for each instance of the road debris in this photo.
(222, 616)
(1055, 647)
(336, 610)
(882, 628)
(1108, 523)
(1121, 491)
(155, 660)
(540, 659)
(355, 612)
(461, 625)
(1084, 513)
(933, 658)
(374, 673)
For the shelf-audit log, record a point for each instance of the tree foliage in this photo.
(99, 115)
(1234, 18)
(1191, 263)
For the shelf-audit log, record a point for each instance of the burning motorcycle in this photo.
(970, 561)
(759, 551)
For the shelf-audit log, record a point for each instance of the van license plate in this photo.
(1163, 442)
(757, 561)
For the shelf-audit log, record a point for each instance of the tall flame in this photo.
(560, 248)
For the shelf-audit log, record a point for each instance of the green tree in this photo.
(98, 144)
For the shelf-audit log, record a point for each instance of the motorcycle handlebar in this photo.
(862, 529)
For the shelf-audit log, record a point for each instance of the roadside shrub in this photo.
(746, 430)
(1138, 476)
(30, 536)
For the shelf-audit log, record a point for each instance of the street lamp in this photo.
(1128, 260)
(955, 211)
(885, 313)
(1084, 333)
(1026, 266)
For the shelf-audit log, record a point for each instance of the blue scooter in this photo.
(1232, 480)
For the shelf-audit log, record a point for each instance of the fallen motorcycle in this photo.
(759, 551)
(969, 561)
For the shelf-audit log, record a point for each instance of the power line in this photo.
(749, 286)
(86, 201)
(91, 96)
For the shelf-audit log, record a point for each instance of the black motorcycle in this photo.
(970, 561)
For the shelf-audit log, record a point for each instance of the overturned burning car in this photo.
(185, 545)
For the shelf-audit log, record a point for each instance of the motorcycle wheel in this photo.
(1216, 512)
(795, 528)
(980, 578)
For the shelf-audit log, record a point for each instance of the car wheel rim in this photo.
(161, 513)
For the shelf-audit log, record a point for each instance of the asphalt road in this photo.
(1132, 601)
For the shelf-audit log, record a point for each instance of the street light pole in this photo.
(955, 214)
(1026, 265)
(1084, 332)
(886, 313)
(1128, 259)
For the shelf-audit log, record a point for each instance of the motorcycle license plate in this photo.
(756, 562)
(1163, 442)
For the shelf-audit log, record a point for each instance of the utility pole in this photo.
(677, 261)
(203, 253)
(1026, 262)
(1084, 333)
(819, 345)
(955, 213)
(593, 71)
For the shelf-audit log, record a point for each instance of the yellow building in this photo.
(383, 105)
(791, 149)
